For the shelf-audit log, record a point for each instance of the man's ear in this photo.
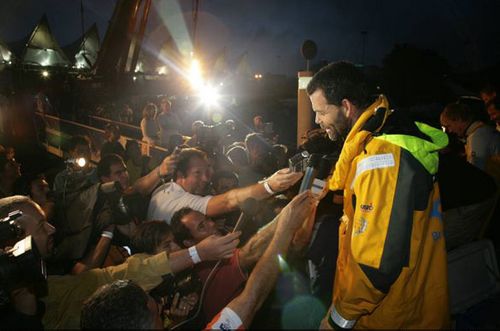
(349, 108)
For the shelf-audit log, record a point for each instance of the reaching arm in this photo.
(96, 257)
(146, 184)
(278, 182)
(255, 247)
(265, 273)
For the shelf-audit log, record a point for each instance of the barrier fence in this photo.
(54, 133)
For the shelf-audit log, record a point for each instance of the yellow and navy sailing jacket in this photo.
(391, 268)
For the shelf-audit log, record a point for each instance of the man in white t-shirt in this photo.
(191, 178)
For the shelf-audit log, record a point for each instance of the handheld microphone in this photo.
(318, 169)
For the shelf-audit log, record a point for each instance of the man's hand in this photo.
(297, 211)
(167, 166)
(181, 306)
(215, 247)
(283, 179)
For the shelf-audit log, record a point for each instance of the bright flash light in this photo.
(81, 162)
(283, 265)
(45, 74)
(162, 70)
(258, 76)
(209, 95)
(195, 76)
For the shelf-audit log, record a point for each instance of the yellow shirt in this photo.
(67, 293)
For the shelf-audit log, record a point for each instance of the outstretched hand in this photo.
(297, 211)
(283, 179)
(216, 247)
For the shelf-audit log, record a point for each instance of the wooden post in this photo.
(305, 116)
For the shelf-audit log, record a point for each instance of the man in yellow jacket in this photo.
(391, 268)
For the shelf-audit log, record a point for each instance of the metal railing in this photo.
(58, 131)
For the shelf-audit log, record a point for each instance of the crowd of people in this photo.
(199, 238)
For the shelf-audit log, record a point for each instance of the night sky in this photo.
(271, 32)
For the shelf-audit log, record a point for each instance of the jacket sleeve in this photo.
(386, 191)
(145, 270)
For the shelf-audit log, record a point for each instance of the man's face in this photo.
(39, 188)
(117, 172)
(331, 118)
(167, 244)
(487, 97)
(453, 126)
(199, 225)
(197, 176)
(12, 169)
(165, 106)
(494, 113)
(34, 223)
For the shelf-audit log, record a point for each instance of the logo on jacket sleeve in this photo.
(366, 207)
(360, 226)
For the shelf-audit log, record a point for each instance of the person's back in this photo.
(483, 143)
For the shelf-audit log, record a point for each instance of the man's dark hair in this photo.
(104, 165)
(115, 129)
(341, 80)
(77, 141)
(459, 112)
(119, 305)
(148, 236)
(185, 156)
(257, 139)
(180, 231)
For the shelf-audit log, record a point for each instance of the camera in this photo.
(21, 264)
(9, 229)
(184, 283)
(210, 135)
(298, 162)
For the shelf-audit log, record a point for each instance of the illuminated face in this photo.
(197, 176)
(333, 119)
(117, 173)
(453, 126)
(34, 223)
(199, 225)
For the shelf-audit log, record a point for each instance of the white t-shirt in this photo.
(171, 197)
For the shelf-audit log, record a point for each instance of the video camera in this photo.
(183, 283)
(210, 135)
(21, 264)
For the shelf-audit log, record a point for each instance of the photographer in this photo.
(76, 176)
(262, 162)
(20, 278)
(120, 208)
(66, 293)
